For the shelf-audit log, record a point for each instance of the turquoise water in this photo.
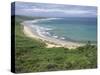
(73, 29)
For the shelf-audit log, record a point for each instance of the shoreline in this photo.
(50, 42)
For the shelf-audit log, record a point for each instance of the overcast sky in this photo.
(54, 10)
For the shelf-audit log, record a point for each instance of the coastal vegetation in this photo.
(31, 55)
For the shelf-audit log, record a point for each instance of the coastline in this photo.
(50, 42)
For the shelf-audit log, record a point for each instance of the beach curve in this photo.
(50, 42)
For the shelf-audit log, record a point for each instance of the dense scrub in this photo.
(32, 56)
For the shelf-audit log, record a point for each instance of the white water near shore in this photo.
(38, 32)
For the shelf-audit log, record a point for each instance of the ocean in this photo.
(75, 29)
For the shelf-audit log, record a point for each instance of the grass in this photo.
(33, 56)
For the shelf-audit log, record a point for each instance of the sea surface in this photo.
(77, 29)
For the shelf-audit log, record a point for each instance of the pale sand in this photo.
(50, 42)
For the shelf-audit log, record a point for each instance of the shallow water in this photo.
(73, 29)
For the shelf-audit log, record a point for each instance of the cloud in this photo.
(72, 12)
(64, 10)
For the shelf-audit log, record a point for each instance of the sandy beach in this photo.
(50, 42)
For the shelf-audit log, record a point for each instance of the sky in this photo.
(54, 10)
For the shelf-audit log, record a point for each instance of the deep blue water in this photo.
(73, 29)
